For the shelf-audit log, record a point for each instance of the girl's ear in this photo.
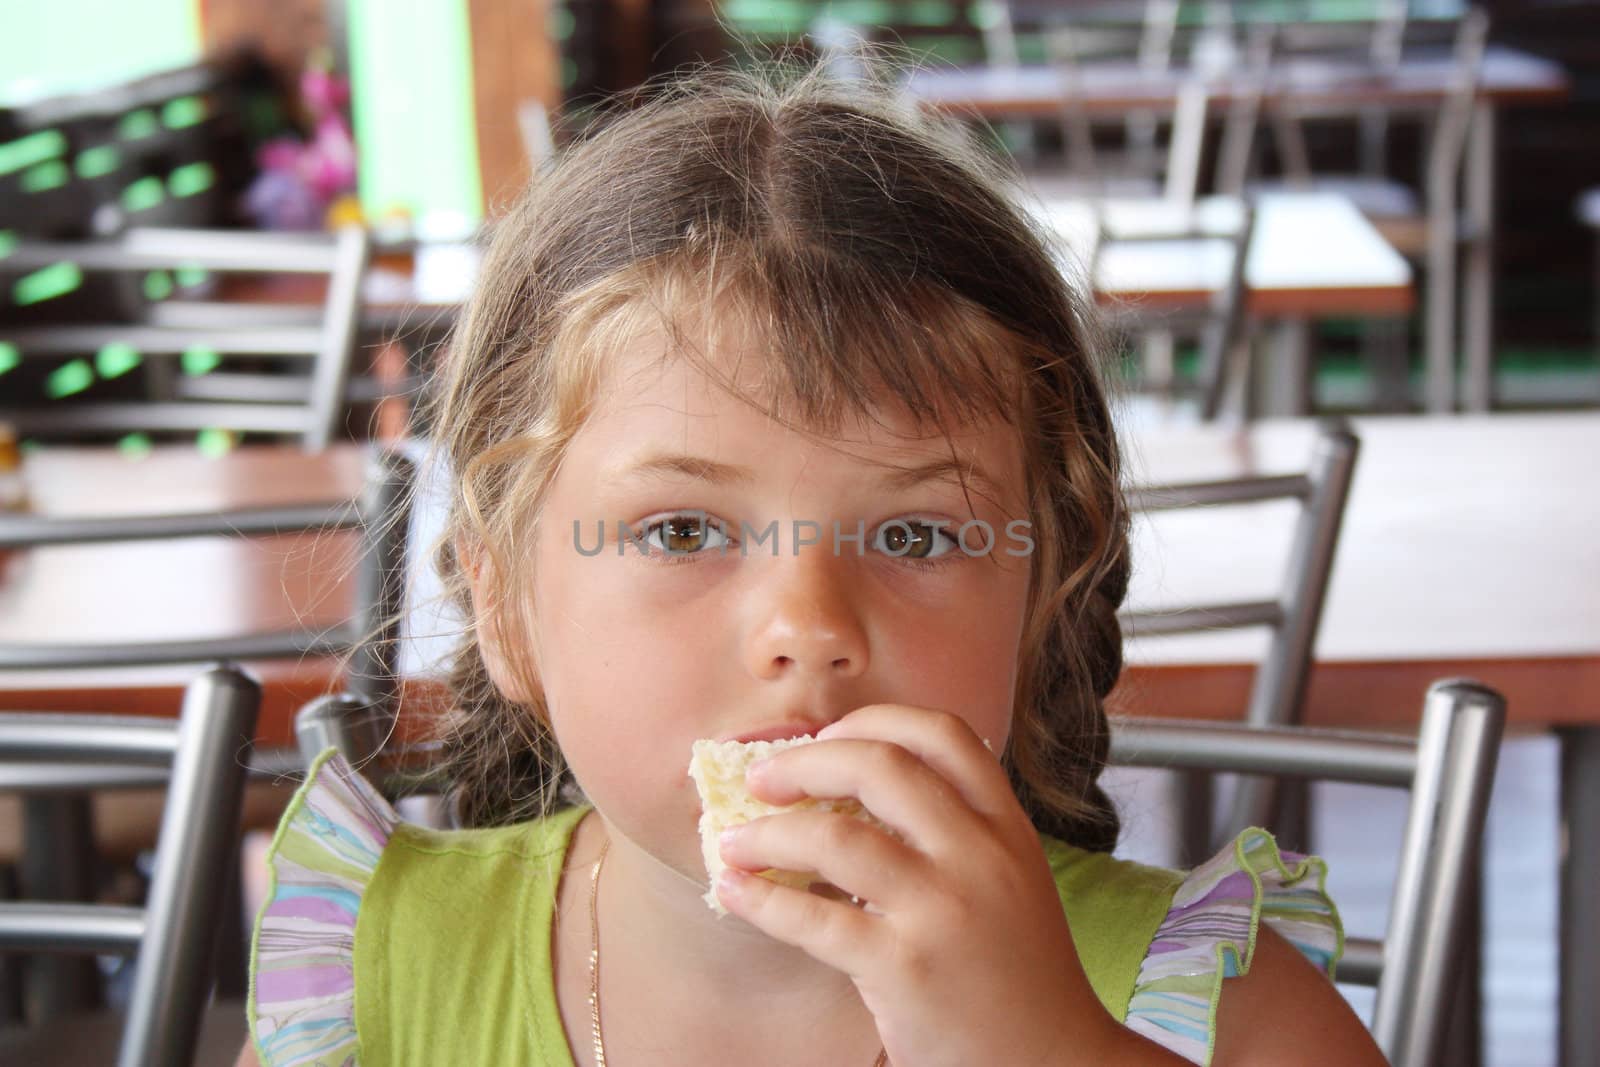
(487, 598)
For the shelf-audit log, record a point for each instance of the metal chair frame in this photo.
(1222, 323)
(202, 755)
(1446, 232)
(325, 337)
(380, 514)
(1278, 688)
(1448, 768)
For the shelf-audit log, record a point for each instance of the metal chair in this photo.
(309, 406)
(1431, 229)
(1221, 322)
(204, 755)
(1278, 689)
(369, 637)
(380, 515)
(1448, 768)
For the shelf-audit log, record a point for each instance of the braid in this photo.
(502, 763)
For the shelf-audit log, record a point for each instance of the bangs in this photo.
(838, 343)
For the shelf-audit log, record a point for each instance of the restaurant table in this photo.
(1468, 548)
(1309, 85)
(1355, 272)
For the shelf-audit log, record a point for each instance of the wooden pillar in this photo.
(514, 60)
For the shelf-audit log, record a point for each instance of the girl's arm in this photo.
(247, 1056)
(1286, 1011)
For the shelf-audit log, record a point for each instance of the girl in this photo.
(772, 417)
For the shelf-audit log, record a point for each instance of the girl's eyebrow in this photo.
(897, 479)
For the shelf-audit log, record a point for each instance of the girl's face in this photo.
(698, 630)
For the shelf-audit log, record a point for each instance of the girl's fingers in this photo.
(908, 795)
(943, 741)
(834, 932)
(857, 858)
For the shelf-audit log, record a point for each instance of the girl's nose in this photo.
(807, 621)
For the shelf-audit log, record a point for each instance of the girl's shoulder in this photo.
(1159, 944)
(343, 858)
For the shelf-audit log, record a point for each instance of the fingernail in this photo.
(728, 837)
(730, 882)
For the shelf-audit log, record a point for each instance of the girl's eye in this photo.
(909, 539)
(684, 535)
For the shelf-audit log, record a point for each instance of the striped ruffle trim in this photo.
(1210, 934)
(302, 973)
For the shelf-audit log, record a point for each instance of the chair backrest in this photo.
(1449, 769)
(380, 515)
(167, 149)
(1075, 50)
(1278, 689)
(407, 775)
(1377, 47)
(1448, 144)
(1221, 322)
(320, 337)
(203, 754)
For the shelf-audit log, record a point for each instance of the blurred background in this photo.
(419, 119)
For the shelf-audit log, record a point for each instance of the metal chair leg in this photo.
(58, 864)
(12, 1006)
(1195, 793)
(1463, 1040)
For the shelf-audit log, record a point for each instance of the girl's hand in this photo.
(962, 954)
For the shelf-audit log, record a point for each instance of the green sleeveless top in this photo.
(386, 943)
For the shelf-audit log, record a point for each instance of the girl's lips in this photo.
(780, 732)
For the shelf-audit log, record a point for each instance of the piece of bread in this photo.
(717, 768)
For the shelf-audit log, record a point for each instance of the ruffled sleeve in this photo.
(302, 980)
(1209, 935)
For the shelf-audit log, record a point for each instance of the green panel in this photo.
(69, 378)
(143, 194)
(191, 276)
(769, 16)
(8, 241)
(32, 149)
(116, 359)
(929, 13)
(135, 445)
(46, 283)
(216, 442)
(137, 124)
(97, 162)
(45, 176)
(984, 13)
(9, 356)
(197, 359)
(157, 285)
(411, 80)
(60, 46)
(183, 112)
(191, 179)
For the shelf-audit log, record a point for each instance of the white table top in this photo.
(1465, 538)
(1302, 241)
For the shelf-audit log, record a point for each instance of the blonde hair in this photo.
(877, 253)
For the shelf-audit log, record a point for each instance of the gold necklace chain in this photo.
(594, 965)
